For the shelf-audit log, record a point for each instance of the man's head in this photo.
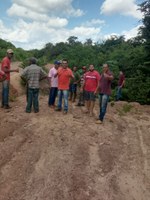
(10, 53)
(64, 63)
(84, 69)
(91, 67)
(105, 67)
(32, 60)
(57, 64)
(121, 72)
(75, 68)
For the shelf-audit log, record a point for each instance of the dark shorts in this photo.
(89, 96)
(73, 88)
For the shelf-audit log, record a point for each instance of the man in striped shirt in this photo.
(33, 74)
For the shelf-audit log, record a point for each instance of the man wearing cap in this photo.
(53, 84)
(6, 68)
(81, 92)
(73, 84)
(33, 74)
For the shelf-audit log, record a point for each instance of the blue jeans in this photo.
(5, 93)
(63, 94)
(119, 93)
(104, 98)
(33, 95)
(52, 96)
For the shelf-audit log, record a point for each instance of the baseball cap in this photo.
(56, 62)
(10, 51)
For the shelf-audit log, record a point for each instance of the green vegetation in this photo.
(131, 56)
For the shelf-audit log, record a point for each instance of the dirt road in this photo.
(51, 156)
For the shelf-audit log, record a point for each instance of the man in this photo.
(53, 84)
(81, 92)
(6, 68)
(64, 76)
(121, 83)
(33, 74)
(105, 91)
(73, 85)
(91, 85)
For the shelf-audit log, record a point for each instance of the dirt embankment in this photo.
(51, 156)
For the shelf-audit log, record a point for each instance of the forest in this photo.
(131, 56)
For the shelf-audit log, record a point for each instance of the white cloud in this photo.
(48, 7)
(131, 33)
(36, 35)
(94, 22)
(124, 7)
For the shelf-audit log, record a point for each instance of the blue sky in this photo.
(33, 23)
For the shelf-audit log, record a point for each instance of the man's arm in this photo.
(6, 70)
(109, 76)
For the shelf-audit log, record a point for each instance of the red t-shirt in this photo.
(2, 75)
(105, 84)
(6, 64)
(64, 76)
(91, 80)
(121, 79)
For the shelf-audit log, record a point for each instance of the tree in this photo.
(72, 40)
(145, 29)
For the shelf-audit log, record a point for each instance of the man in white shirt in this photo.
(53, 84)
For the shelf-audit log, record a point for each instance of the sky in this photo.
(30, 24)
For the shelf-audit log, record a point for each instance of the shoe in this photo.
(98, 121)
(2, 106)
(36, 111)
(79, 104)
(57, 109)
(28, 111)
(65, 112)
(7, 107)
(82, 104)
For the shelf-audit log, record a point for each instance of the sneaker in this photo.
(27, 111)
(7, 107)
(57, 109)
(98, 121)
(79, 104)
(65, 112)
(36, 111)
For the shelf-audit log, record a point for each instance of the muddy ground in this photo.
(52, 156)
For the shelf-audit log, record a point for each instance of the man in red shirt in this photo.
(105, 91)
(64, 76)
(90, 86)
(121, 83)
(6, 68)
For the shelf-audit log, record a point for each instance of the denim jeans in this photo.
(33, 95)
(63, 94)
(104, 98)
(52, 95)
(119, 93)
(5, 93)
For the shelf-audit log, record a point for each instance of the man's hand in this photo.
(16, 70)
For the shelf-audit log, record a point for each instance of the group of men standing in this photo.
(90, 84)
(63, 83)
